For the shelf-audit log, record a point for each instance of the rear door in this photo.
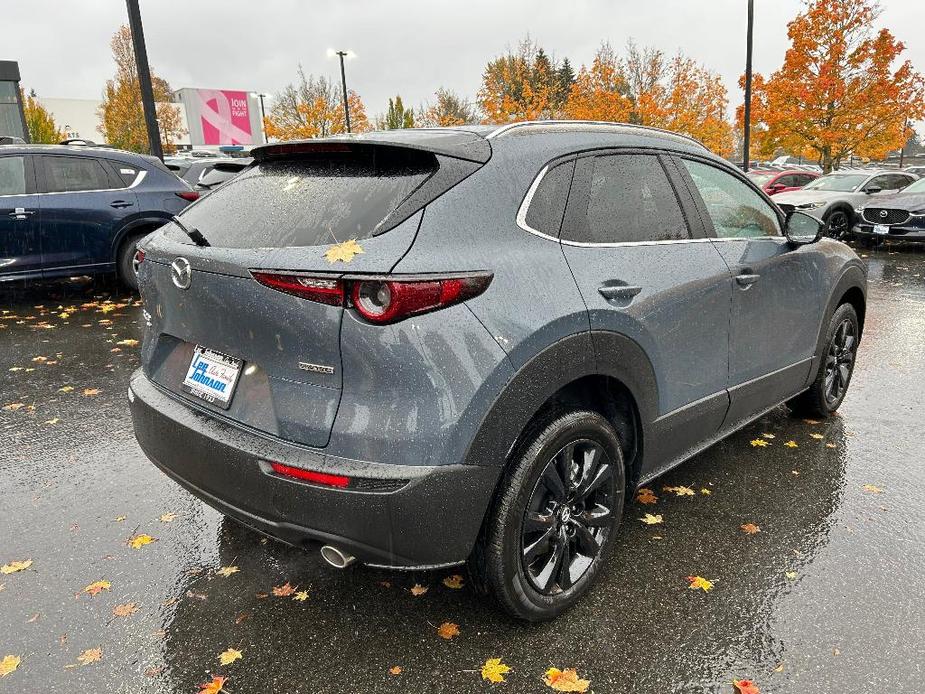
(20, 253)
(776, 303)
(84, 207)
(636, 248)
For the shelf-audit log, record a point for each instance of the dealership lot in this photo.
(837, 564)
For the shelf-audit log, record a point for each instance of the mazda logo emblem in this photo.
(883, 213)
(180, 273)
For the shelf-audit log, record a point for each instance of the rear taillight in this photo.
(380, 300)
(328, 480)
(189, 195)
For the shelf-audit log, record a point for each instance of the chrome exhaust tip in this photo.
(336, 558)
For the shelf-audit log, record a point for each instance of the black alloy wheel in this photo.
(839, 361)
(837, 224)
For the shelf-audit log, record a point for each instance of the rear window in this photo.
(311, 201)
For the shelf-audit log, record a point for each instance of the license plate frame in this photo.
(881, 229)
(212, 376)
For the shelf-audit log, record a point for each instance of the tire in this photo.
(838, 223)
(838, 359)
(531, 530)
(124, 263)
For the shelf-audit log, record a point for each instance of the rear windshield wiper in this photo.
(192, 232)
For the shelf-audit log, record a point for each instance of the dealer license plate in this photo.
(881, 229)
(212, 376)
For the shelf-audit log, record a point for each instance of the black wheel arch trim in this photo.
(853, 278)
(131, 228)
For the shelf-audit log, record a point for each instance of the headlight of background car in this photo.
(859, 210)
(810, 205)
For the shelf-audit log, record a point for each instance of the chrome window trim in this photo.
(138, 179)
(525, 206)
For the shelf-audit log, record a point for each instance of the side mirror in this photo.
(802, 228)
(870, 190)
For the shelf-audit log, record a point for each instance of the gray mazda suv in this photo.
(424, 348)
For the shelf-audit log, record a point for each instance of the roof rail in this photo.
(522, 124)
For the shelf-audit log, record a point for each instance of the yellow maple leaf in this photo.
(395, 670)
(699, 582)
(167, 517)
(343, 251)
(873, 489)
(301, 596)
(455, 581)
(565, 680)
(125, 609)
(769, 436)
(705, 491)
(818, 437)
(139, 541)
(448, 630)
(9, 663)
(418, 590)
(792, 444)
(759, 443)
(15, 566)
(650, 519)
(128, 343)
(227, 571)
(91, 655)
(96, 587)
(680, 490)
(790, 574)
(229, 656)
(53, 420)
(214, 687)
(65, 389)
(750, 528)
(646, 496)
(494, 670)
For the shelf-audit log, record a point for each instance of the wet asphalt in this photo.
(829, 596)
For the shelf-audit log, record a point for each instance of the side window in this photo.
(71, 174)
(122, 175)
(736, 210)
(544, 213)
(630, 200)
(786, 181)
(804, 179)
(899, 182)
(12, 175)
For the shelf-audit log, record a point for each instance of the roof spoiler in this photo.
(459, 144)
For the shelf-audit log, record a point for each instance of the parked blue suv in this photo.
(76, 210)
(422, 347)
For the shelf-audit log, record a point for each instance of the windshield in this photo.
(761, 179)
(842, 183)
(308, 201)
(917, 187)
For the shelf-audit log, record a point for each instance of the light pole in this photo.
(748, 86)
(343, 82)
(144, 78)
(263, 116)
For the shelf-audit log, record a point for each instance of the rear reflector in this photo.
(190, 195)
(380, 299)
(298, 473)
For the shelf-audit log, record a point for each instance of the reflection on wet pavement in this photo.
(827, 597)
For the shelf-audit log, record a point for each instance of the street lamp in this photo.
(144, 79)
(343, 79)
(263, 114)
(748, 85)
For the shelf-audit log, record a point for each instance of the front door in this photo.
(81, 212)
(647, 275)
(20, 254)
(776, 303)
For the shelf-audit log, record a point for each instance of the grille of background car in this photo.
(875, 215)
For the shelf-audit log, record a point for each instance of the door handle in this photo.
(618, 292)
(121, 203)
(746, 279)
(20, 213)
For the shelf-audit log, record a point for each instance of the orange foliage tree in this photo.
(313, 108)
(521, 85)
(645, 88)
(447, 110)
(840, 91)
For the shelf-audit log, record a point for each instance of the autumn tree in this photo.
(40, 123)
(521, 85)
(644, 87)
(447, 110)
(841, 90)
(121, 115)
(313, 107)
(396, 117)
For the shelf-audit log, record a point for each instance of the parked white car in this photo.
(833, 198)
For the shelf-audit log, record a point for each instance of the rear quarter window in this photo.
(311, 200)
(546, 203)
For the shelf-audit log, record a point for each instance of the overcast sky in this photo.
(409, 47)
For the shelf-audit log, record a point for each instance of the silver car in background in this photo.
(834, 197)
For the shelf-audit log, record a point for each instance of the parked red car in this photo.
(773, 182)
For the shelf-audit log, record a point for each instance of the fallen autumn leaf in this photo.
(565, 680)
(494, 670)
(229, 656)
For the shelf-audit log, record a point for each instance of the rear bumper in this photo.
(401, 516)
